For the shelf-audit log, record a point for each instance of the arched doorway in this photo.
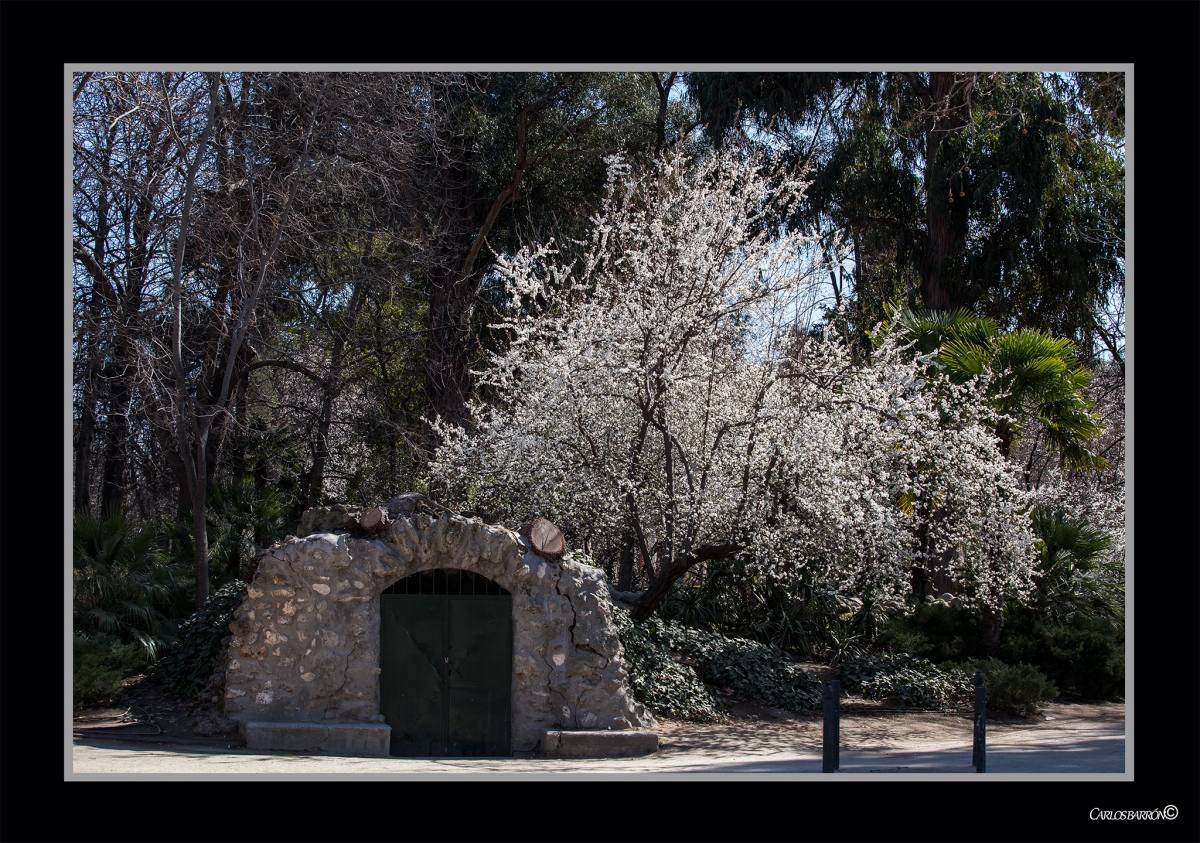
(446, 641)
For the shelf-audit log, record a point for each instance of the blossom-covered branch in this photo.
(659, 387)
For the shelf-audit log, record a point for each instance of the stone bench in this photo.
(334, 738)
(562, 743)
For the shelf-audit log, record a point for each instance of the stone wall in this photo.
(305, 645)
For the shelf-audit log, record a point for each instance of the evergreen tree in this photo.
(1002, 193)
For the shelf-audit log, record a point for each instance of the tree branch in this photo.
(281, 364)
(103, 282)
(83, 80)
(507, 194)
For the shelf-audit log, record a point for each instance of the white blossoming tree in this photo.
(655, 387)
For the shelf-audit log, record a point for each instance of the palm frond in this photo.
(122, 578)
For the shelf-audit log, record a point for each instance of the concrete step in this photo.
(334, 738)
(561, 743)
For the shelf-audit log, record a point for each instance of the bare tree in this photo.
(363, 241)
(215, 210)
(206, 188)
(123, 198)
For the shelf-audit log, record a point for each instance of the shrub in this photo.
(751, 668)
(189, 664)
(99, 664)
(1078, 572)
(936, 632)
(657, 681)
(122, 581)
(917, 681)
(1084, 655)
(93, 682)
(240, 522)
(794, 617)
(1012, 688)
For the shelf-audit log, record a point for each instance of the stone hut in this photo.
(428, 636)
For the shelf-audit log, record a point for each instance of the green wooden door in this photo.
(446, 668)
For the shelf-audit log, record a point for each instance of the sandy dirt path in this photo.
(1064, 739)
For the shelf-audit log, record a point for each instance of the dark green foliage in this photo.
(187, 667)
(1083, 655)
(1036, 377)
(1073, 576)
(750, 668)
(270, 450)
(241, 520)
(725, 99)
(917, 681)
(99, 664)
(390, 374)
(796, 618)
(936, 632)
(122, 580)
(998, 192)
(1011, 688)
(93, 682)
(657, 680)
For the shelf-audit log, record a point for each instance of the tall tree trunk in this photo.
(945, 106)
(920, 571)
(314, 478)
(102, 293)
(200, 531)
(112, 492)
(125, 364)
(939, 242)
(992, 623)
(85, 434)
(238, 415)
(625, 568)
(447, 384)
(663, 87)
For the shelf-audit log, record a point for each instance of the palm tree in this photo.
(1072, 555)
(243, 519)
(1036, 377)
(122, 580)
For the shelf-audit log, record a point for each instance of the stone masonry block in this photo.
(561, 743)
(334, 738)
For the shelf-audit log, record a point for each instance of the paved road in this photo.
(1070, 745)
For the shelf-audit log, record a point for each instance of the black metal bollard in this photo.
(831, 760)
(979, 749)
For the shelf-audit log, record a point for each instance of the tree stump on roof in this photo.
(547, 540)
(373, 519)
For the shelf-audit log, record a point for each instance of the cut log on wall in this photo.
(373, 519)
(547, 540)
